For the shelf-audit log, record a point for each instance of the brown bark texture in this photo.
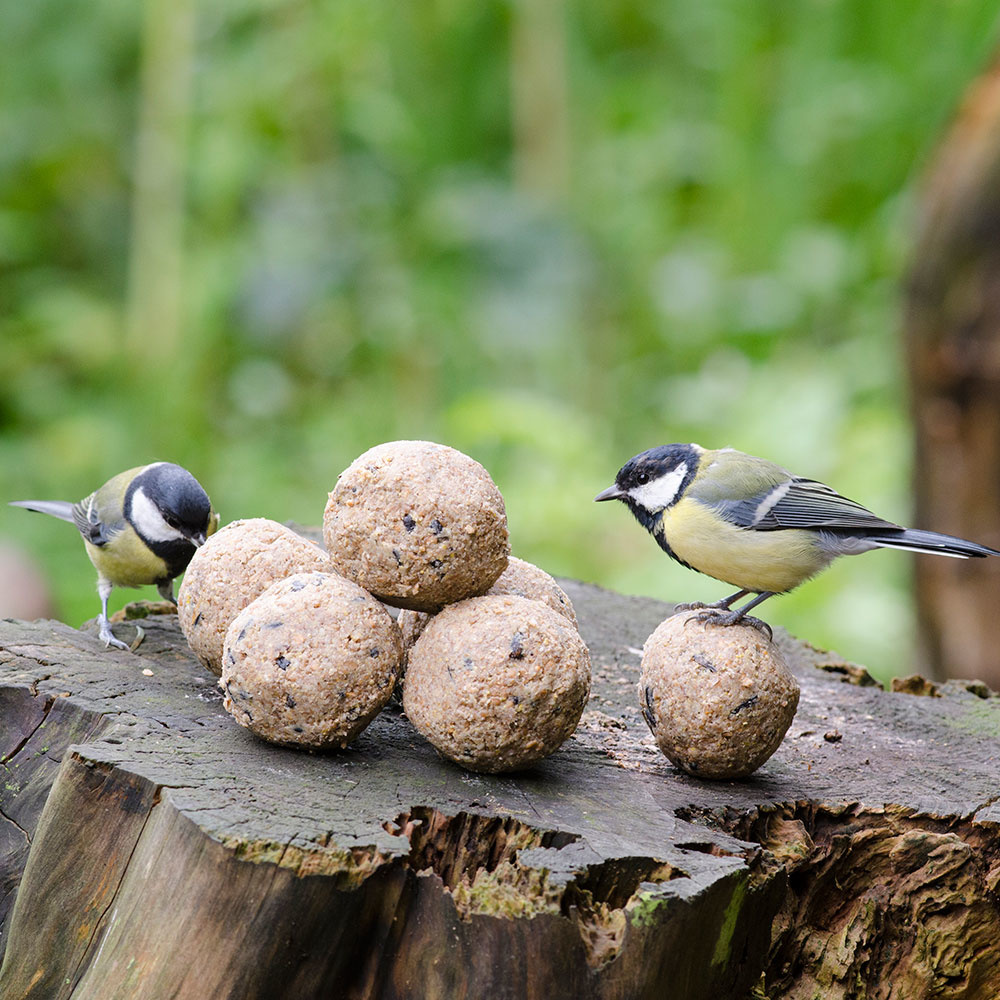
(151, 848)
(952, 333)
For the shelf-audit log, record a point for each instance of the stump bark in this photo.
(152, 848)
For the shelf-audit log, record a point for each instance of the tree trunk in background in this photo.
(952, 329)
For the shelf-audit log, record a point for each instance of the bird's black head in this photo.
(167, 506)
(654, 480)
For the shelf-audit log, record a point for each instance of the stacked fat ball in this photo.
(312, 661)
(308, 654)
(496, 683)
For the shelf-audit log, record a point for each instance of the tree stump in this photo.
(156, 849)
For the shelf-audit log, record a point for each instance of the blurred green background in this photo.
(256, 237)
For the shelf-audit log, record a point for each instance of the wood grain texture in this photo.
(178, 856)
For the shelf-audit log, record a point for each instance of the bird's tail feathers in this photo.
(917, 540)
(62, 509)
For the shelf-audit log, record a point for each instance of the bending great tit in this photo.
(141, 527)
(752, 524)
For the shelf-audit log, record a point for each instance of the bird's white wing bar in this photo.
(770, 500)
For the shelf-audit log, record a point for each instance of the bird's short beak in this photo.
(611, 493)
(198, 540)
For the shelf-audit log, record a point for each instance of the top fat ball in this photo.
(417, 524)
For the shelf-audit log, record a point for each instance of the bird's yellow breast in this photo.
(126, 561)
(751, 560)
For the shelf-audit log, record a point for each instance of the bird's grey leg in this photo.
(165, 588)
(104, 588)
(724, 604)
(713, 616)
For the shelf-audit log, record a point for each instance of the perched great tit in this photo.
(752, 524)
(141, 527)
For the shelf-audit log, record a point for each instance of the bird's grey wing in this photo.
(89, 522)
(801, 503)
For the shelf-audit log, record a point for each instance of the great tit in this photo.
(141, 527)
(752, 524)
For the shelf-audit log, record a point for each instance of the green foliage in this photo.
(363, 254)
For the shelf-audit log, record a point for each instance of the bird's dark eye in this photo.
(642, 478)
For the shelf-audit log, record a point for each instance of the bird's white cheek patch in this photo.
(660, 492)
(149, 521)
